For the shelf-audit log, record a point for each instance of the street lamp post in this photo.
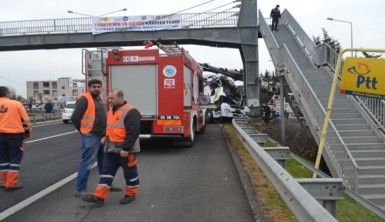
(78, 13)
(351, 30)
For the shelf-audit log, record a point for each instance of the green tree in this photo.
(327, 39)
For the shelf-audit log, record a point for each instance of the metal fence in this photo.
(84, 25)
(41, 117)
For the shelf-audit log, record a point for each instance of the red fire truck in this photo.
(165, 87)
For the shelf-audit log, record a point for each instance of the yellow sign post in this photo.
(359, 76)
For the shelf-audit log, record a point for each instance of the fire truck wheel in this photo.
(143, 142)
(187, 141)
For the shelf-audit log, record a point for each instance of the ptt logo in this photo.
(361, 70)
(169, 71)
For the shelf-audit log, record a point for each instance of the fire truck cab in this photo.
(165, 88)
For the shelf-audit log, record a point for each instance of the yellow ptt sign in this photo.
(363, 76)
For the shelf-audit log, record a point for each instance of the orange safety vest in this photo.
(116, 131)
(88, 117)
(12, 116)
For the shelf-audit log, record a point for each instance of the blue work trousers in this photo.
(92, 150)
(11, 153)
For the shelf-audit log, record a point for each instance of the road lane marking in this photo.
(50, 137)
(19, 206)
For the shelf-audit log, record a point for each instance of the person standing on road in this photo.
(89, 118)
(275, 14)
(14, 127)
(121, 146)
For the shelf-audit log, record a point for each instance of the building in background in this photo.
(63, 89)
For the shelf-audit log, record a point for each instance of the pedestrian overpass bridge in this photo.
(355, 147)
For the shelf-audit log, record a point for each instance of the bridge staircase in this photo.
(355, 148)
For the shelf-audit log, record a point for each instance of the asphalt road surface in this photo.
(176, 184)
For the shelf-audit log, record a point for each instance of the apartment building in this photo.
(63, 89)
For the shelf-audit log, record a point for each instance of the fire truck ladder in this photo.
(93, 62)
(170, 49)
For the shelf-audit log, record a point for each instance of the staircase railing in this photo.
(327, 56)
(84, 25)
(308, 44)
(270, 41)
(341, 158)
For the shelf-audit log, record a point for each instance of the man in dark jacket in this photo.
(121, 146)
(89, 118)
(275, 14)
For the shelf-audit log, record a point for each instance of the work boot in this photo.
(115, 189)
(79, 194)
(98, 202)
(127, 199)
(12, 188)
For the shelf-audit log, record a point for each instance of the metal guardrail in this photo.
(351, 193)
(342, 159)
(34, 117)
(84, 25)
(301, 203)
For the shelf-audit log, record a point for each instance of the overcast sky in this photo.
(17, 67)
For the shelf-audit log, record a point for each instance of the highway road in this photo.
(177, 184)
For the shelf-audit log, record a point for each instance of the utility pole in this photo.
(282, 109)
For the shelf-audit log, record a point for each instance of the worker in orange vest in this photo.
(121, 146)
(14, 123)
(89, 118)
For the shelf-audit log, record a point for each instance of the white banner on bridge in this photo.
(136, 23)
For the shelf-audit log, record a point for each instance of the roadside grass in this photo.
(297, 170)
(273, 206)
(269, 143)
(348, 210)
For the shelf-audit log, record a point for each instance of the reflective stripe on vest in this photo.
(116, 131)
(88, 118)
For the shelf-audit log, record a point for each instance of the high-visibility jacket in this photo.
(12, 116)
(116, 131)
(88, 117)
